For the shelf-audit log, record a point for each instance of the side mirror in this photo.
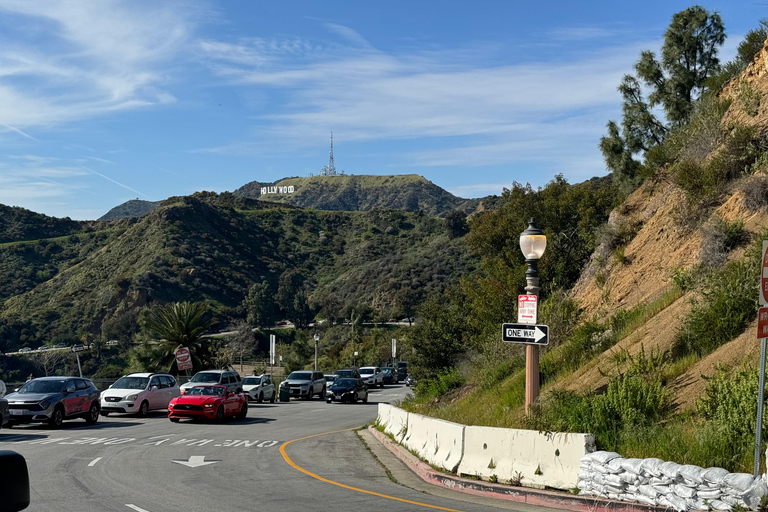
(152, 388)
(230, 394)
(14, 481)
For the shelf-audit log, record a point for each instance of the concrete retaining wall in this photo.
(439, 442)
(536, 459)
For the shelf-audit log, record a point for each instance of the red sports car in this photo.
(209, 402)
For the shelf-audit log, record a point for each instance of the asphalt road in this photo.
(126, 463)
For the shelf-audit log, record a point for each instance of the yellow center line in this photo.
(318, 477)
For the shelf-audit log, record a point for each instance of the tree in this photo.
(176, 325)
(688, 58)
(752, 43)
(456, 223)
(243, 342)
(259, 305)
(292, 297)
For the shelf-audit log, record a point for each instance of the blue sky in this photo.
(102, 102)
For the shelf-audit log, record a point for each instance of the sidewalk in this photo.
(423, 478)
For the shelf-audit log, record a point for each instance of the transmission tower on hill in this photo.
(330, 169)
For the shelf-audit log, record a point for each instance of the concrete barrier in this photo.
(439, 442)
(383, 416)
(531, 458)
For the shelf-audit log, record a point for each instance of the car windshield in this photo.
(366, 371)
(300, 376)
(330, 378)
(131, 383)
(205, 377)
(206, 390)
(344, 382)
(344, 373)
(43, 386)
(386, 370)
(253, 381)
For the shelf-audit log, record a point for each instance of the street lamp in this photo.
(317, 338)
(533, 242)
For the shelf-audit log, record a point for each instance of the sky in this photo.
(103, 102)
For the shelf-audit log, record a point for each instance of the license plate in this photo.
(16, 412)
(337, 397)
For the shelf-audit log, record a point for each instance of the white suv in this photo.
(228, 378)
(259, 388)
(372, 376)
(139, 393)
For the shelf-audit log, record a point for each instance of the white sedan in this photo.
(259, 388)
(372, 376)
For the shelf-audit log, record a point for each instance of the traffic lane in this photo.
(342, 458)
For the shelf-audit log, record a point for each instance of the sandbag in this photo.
(584, 476)
(683, 491)
(714, 475)
(645, 499)
(600, 457)
(739, 481)
(614, 465)
(708, 494)
(629, 478)
(631, 488)
(677, 503)
(753, 496)
(614, 480)
(651, 466)
(662, 488)
(692, 473)
(661, 480)
(670, 469)
(647, 490)
(634, 466)
(719, 505)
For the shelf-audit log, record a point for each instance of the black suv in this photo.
(348, 372)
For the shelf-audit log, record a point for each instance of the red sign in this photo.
(527, 309)
(183, 358)
(764, 276)
(762, 323)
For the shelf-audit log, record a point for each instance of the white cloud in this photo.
(62, 61)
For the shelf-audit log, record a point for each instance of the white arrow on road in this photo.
(539, 334)
(195, 461)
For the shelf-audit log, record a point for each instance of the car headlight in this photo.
(45, 403)
(132, 397)
(208, 406)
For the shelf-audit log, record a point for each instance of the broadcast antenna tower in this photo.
(330, 169)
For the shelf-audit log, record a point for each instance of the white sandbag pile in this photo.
(667, 484)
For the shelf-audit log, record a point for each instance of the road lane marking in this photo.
(94, 461)
(318, 477)
(134, 507)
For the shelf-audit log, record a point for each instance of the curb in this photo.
(529, 496)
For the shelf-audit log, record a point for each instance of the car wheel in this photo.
(220, 414)
(57, 418)
(93, 414)
(328, 400)
(309, 394)
(365, 400)
(323, 392)
(381, 384)
(243, 411)
(272, 399)
(144, 409)
(260, 398)
(175, 420)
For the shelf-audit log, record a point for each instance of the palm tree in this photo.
(176, 325)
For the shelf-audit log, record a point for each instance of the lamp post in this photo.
(317, 338)
(533, 242)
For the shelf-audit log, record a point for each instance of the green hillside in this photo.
(132, 208)
(358, 193)
(214, 247)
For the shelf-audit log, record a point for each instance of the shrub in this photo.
(441, 384)
(755, 191)
(729, 400)
(749, 98)
(719, 238)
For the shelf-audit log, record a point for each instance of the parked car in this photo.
(42, 347)
(306, 384)
(3, 389)
(259, 388)
(348, 372)
(61, 345)
(139, 393)
(410, 381)
(228, 378)
(402, 370)
(347, 389)
(372, 376)
(330, 378)
(390, 375)
(53, 400)
(25, 349)
(213, 402)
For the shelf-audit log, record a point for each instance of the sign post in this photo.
(527, 309)
(394, 350)
(528, 334)
(77, 349)
(271, 352)
(762, 329)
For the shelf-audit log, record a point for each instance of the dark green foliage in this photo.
(618, 157)
(688, 59)
(177, 325)
(443, 382)
(730, 401)
(132, 208)
(18, 224)
(753, 42)
(260, 305)
(728, 303)
(441, 336)
(456, 223)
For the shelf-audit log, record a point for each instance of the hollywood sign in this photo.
(277, 190)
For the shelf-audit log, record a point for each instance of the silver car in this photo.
(54, 399)
(306, 384)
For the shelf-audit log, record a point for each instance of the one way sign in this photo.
(521, 333)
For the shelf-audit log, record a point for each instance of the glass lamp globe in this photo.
(533, 242)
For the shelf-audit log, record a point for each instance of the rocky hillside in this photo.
(132, 208)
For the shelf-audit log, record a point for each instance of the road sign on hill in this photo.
(522, 333)
(183, 358)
